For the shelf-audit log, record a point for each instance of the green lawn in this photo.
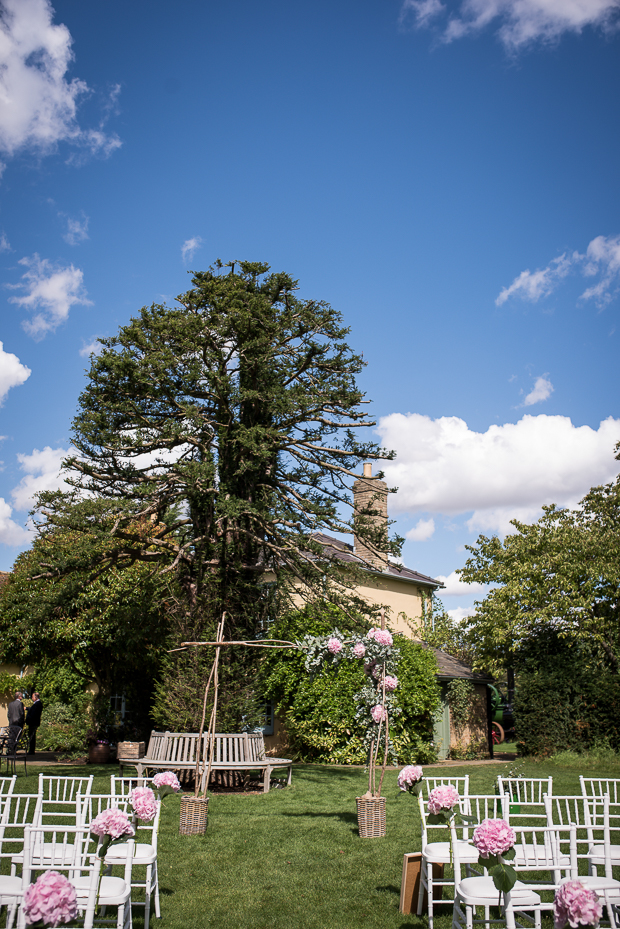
(292, 859)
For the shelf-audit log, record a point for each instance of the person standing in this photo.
(33, 721)
(16, 716)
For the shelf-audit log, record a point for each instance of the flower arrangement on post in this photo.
(166, 782)
(50, 901)
(410, 779)
(495, 839)
(576, 905)
(375, 700)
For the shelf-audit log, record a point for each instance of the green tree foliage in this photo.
(229, 424)
(319, 711)
(451, 636)
(561, 574)
(110, 628)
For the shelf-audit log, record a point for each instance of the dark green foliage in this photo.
(455, 637)
(58, 681)
(319, 711)
(64, 727)
(567, 697)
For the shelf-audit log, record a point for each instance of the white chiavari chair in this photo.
(527, 797)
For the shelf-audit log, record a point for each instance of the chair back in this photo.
(460, 784)
(563, 810)
(545, 848)
(598, 831)
(527, 797)
(7, 785)
(122, 786)
(599, 786)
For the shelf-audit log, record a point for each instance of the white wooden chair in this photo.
(480, 891)
(595, 787)
(14, 811)
(437, 853)
(460, 784)
(527, 796)
(70, 854)
(122, 786)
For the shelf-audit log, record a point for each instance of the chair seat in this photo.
(482, 890)
(440, 852)
(608, 884)
(597, 854)
(10, 886)
(541, 856)
(50, 855)
(143, 854)
(113, 890)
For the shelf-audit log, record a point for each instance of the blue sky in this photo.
(444, 174)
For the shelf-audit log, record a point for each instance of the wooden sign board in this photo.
(410, 886)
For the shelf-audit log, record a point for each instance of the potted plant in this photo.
(98, 749)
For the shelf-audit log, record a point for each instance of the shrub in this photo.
(319, 711)
(64, 727)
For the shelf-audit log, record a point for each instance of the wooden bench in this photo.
(176, 751)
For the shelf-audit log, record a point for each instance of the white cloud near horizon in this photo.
(94, 347)
(38, 104)
(602, 258)
(521, 22)
(190, 247)
(508, 472)
(542, 390)
(51, 289)
(77, 230)
(10, 532)
(423, 530)
(12, 372)
(461, 612)
(455, 587)
(42, 472)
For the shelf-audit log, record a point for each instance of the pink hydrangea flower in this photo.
(441, 798)
(143, 803)
(51, 899)
(371, 634)
(112, 822)
(493, 837)
(167, 779)
(334, 645)
(391, 683)
(383, 637)
(359, 649)
(378, 713)
(409, 776)
(576, 905)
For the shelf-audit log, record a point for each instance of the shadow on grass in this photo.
(344, 817)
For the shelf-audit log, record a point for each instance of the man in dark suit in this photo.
(33, 721)
(15, 712)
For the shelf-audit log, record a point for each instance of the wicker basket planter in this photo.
(371, 817)
(193, 815)
(130, 750)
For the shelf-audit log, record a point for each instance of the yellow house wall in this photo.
(5, 699)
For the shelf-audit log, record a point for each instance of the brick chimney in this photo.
(370, 506)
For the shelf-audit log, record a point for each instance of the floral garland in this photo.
(375, 702)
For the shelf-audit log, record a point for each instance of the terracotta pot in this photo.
(99, 754)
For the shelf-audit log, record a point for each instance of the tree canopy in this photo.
(561, 574)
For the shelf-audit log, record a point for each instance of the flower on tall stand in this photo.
(495, 839)
(375, 702)
(50, 901)
(410, 779)
(166, 782)
(576, 905)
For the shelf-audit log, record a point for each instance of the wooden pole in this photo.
(199, 752)
(212, 722)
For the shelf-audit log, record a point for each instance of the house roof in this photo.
(449, 668)
(341, 551)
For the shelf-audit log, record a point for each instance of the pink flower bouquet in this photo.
(144, 804)
(110, 826)
(410, 778)
(51, 900)
(576, 905)
(378, 713)
(334, 645)
(167, 779)
(442, 799)
(495, 839)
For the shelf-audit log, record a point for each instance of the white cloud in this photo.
(38, 104)
(12, 372)
(190, 247)
(602, 257)
(5, 245)
(521, 22)
(422, 531)
(455, 587)
(77, 230)
(42, 472)
(460, 612)
(10, 532)
(507, 472)
(542, 390)
(94, 347)
(53, 290)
